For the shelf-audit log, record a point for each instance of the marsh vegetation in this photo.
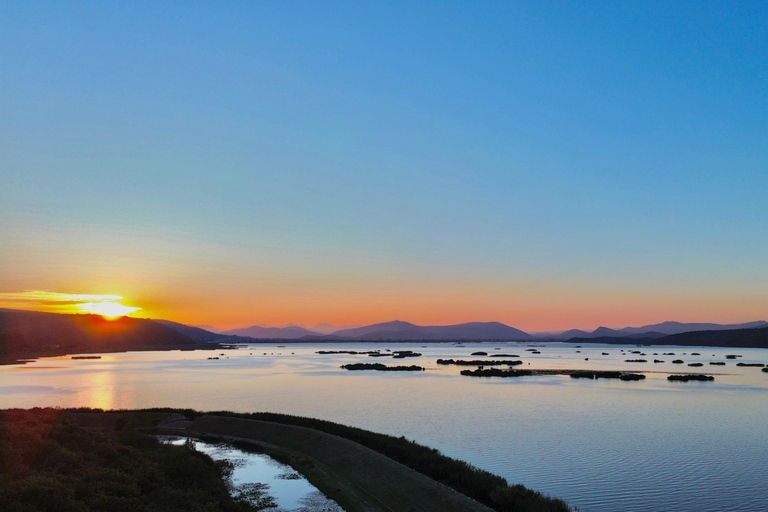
(692, 376)
(479, 362)
(382, 367)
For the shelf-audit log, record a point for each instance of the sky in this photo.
(549, 165)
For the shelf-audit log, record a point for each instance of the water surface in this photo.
(602, 445)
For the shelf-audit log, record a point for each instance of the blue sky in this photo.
(545, 164)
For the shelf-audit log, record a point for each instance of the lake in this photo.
(602, 445)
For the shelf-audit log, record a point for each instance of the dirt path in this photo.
(358, 478)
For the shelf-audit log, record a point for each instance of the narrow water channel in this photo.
(263, 481)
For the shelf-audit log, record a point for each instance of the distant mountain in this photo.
(386, 327)
(328, 328)
(400, 331)
(285, 333)
(736, 338)
(198, 333)
(31, 334)
(679, 327)
(743, 338)
(654, 330)
(209, 328)
(645, 335)
(605, 331)
(573, 333)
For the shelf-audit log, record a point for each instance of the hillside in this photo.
(31, 334)
(198, 333)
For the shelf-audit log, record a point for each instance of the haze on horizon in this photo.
(543, 165)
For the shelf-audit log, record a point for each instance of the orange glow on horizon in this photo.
(108, 309)
(107, 306)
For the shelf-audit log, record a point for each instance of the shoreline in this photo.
(362, 471)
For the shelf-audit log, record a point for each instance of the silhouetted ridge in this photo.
(31, 334)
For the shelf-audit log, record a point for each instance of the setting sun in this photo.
(107, 309)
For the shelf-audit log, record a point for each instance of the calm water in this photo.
(290, 491)
(601, 445)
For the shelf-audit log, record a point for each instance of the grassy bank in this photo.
(50, 462)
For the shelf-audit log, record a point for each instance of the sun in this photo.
(107, 309)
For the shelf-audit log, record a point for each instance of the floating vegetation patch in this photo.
(693, 376)
(382, 367)
(575, 374)
(496, 372)
(589, 374)
(401, 354)
(479, 362)
(353, 352)
(254, 494)
(289, 475)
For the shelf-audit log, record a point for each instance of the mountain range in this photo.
(29, 334)
(653, 330)
(290, 332)
(398, 331)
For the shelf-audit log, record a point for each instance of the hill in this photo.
(737, 338)
(291, 332)
(198, 333)
(743, 338)
(402, 331)
(31, 334)
(654, 330)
